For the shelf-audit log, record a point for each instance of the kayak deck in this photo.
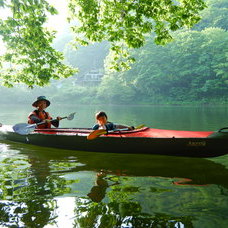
(144, 132)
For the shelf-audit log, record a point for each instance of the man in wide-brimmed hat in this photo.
(40, 115)
(41, 98)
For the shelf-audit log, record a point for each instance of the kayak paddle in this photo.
(96, 133)
(25, 129)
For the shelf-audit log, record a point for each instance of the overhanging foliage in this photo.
(31, 60)
(127, 23)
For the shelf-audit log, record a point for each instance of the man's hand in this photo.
(59, 118)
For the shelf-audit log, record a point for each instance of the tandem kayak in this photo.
(141, 141)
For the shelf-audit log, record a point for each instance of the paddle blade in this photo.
(96, 133)
(23, 128)
(140, 126)
(71, 116)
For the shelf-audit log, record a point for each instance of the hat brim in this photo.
(36, 102)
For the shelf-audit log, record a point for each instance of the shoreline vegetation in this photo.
(155, 101)
(90, 96)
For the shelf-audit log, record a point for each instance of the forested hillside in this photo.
(192, 68)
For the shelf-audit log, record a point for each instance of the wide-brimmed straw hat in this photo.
(41, 98)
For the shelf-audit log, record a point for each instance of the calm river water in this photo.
(44, 187)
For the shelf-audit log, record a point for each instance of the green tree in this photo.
(192, 67)
(115, 90)
(30, 59)
(215, 15)
(127, 23)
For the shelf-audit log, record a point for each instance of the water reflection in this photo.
(28, 190)
(80, 189)
(98, 191)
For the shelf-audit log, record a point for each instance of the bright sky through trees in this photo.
(55, 22)
(58, 22)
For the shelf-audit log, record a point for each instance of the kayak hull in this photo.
(76, 139)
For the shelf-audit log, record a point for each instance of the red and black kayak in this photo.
(145, 140)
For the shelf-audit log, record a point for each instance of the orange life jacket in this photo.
(41, 115)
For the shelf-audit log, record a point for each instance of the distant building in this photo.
(93, 77)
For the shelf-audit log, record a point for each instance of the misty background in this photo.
(193, 69)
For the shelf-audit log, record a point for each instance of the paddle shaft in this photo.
(110, 131)
(97, 133)
(43, 122)
(122, 129)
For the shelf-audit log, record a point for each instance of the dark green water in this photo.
(43, 187)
